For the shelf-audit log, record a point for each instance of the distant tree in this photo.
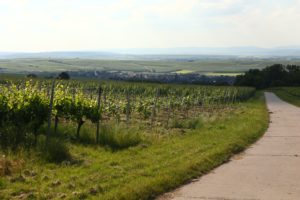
(31, 76)
(272, 76)
(63, 76)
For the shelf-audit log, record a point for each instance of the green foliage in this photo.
(25, 105)
(145, 171)
(272, 76)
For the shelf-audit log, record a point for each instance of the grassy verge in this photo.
(144, 171)
(285, 94)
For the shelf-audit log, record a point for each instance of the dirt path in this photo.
(269, 169)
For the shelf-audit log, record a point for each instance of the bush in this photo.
(119, 136)
(53, 150)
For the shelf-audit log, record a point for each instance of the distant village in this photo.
(191, 78)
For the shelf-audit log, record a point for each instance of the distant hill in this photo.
(230, 51)
(161, 53)
(59, 54)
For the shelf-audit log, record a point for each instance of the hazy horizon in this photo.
(57, 25)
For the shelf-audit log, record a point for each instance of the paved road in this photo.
(269, 169)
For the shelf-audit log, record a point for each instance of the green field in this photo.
(138, 157)
(289, 94)
(229, 65)
(141, 172)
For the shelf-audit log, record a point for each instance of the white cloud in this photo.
(92, 24)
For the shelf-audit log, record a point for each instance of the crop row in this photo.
(29, 105)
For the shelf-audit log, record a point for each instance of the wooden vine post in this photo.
(127, 108)
(50, 110)
(169, 110)
(99, 113)
(104, 96)
(154, 107)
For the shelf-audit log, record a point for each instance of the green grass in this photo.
(144, 171)
(288, 94)
(119, 137)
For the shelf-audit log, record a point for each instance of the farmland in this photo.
(149, 100)
(194, 64)
(146, 136)
(26, 104)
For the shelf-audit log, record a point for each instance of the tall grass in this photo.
(115, 136)
(53, 150)
(119, 136)
(195, 123)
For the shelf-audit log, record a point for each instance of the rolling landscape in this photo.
(142, 100)
(43, 63)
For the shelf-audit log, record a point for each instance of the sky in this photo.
(61, 25)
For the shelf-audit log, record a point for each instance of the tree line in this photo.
(271, 76)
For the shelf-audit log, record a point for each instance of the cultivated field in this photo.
(151, 137)
(190, 64)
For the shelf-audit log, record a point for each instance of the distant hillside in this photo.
(59, 54)
(164, 64)
(230, 51)
(162, 53)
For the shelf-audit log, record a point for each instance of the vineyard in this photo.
(118, 140)
(26, 106)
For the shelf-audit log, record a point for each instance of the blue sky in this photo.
(50, 25)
